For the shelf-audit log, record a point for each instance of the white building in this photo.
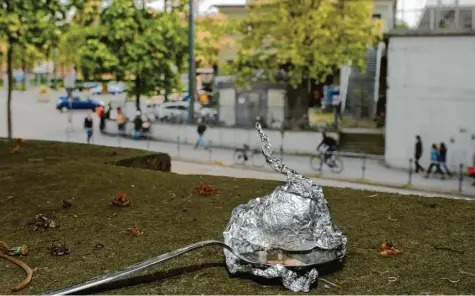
(431, 93)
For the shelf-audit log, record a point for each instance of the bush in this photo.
(155, 162)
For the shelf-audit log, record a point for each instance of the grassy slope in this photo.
(173, 215)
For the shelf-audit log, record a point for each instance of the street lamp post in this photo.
(191, 67)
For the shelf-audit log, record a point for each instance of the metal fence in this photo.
(432, 15)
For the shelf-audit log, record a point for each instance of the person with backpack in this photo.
(443, 159)
(434, 162)
(201, 130)
(121, 121)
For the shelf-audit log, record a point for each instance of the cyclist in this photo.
(331, 145)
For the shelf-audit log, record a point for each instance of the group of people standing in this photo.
(438, 159)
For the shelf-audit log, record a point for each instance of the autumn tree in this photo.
(302, 41)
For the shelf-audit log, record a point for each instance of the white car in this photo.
(176, 111)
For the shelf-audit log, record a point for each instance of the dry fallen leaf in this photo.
(10, 197)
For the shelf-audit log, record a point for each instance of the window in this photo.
(376, 16)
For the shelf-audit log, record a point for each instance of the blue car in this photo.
(77, 104)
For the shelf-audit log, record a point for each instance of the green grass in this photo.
(348, 121)
(435, 235)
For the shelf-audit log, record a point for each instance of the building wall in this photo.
(386, 10)
(431, 93)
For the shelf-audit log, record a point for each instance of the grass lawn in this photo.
(348, 121)
(436, 236)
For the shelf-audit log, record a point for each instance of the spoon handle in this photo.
(137, 267)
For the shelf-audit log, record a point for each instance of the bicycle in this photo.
(245, 154)
(333, 162)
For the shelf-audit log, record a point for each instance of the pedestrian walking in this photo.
(102, 117)
(434, 162)
(121, 120)
(108, 112)
(201, 130)
(138, 122)
(418, 154)
(88, 127)
(443, 159)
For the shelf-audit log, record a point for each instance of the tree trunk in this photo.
(137, 91)
(10, 88)
(23, 68)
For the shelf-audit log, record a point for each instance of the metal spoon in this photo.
(147, 263)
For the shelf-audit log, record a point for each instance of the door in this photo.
(249, 105)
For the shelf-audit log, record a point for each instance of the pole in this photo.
(54, 67)
(460, 177)
(191, 67)
(409, 181)
(363, 168)
(178, 146)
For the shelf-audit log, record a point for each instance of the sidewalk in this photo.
(42, 122)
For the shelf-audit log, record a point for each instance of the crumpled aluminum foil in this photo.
(295, 217)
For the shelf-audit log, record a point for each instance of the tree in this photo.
(26, 22)
(138, 41)
(211, 38)
(308, 41)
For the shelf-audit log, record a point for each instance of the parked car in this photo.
(77, 104)
(96, 90)
(176, 111)
(115, 88)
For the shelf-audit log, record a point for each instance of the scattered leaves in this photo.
(205, 189)
(121, 200)
(387, 249)
(43, 223)
(135, 231)
(59, 249)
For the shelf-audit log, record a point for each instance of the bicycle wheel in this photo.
(316, 162)
(257, 159)
(238, 157)
(337, 166)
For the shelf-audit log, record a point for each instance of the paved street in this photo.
(33, 120)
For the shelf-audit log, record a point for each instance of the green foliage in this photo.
(309, 40)
(131, 40)
(211, 38)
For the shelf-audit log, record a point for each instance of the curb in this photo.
(348, 180)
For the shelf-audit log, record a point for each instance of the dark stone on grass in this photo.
(67, 204)
(156, 162)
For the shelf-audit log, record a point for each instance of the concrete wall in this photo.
(293, 142)
(431, 93)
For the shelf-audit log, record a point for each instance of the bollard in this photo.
(148, 142)
(209, 151)
(282, 133)
(178, 146)
(322, 156)
(460, 177)
(363, 168)
(409, 181)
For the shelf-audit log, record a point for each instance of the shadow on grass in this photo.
(323, 270)
(149, 278)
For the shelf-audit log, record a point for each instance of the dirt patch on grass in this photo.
(156, 162)
(434, 235)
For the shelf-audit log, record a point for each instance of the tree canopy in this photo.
(309, 39)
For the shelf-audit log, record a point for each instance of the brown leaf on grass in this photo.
(19, 140)
(205, 189)
(121, 200)
(15, 149)
(387, 249)
(10, 197)
(135, 231)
